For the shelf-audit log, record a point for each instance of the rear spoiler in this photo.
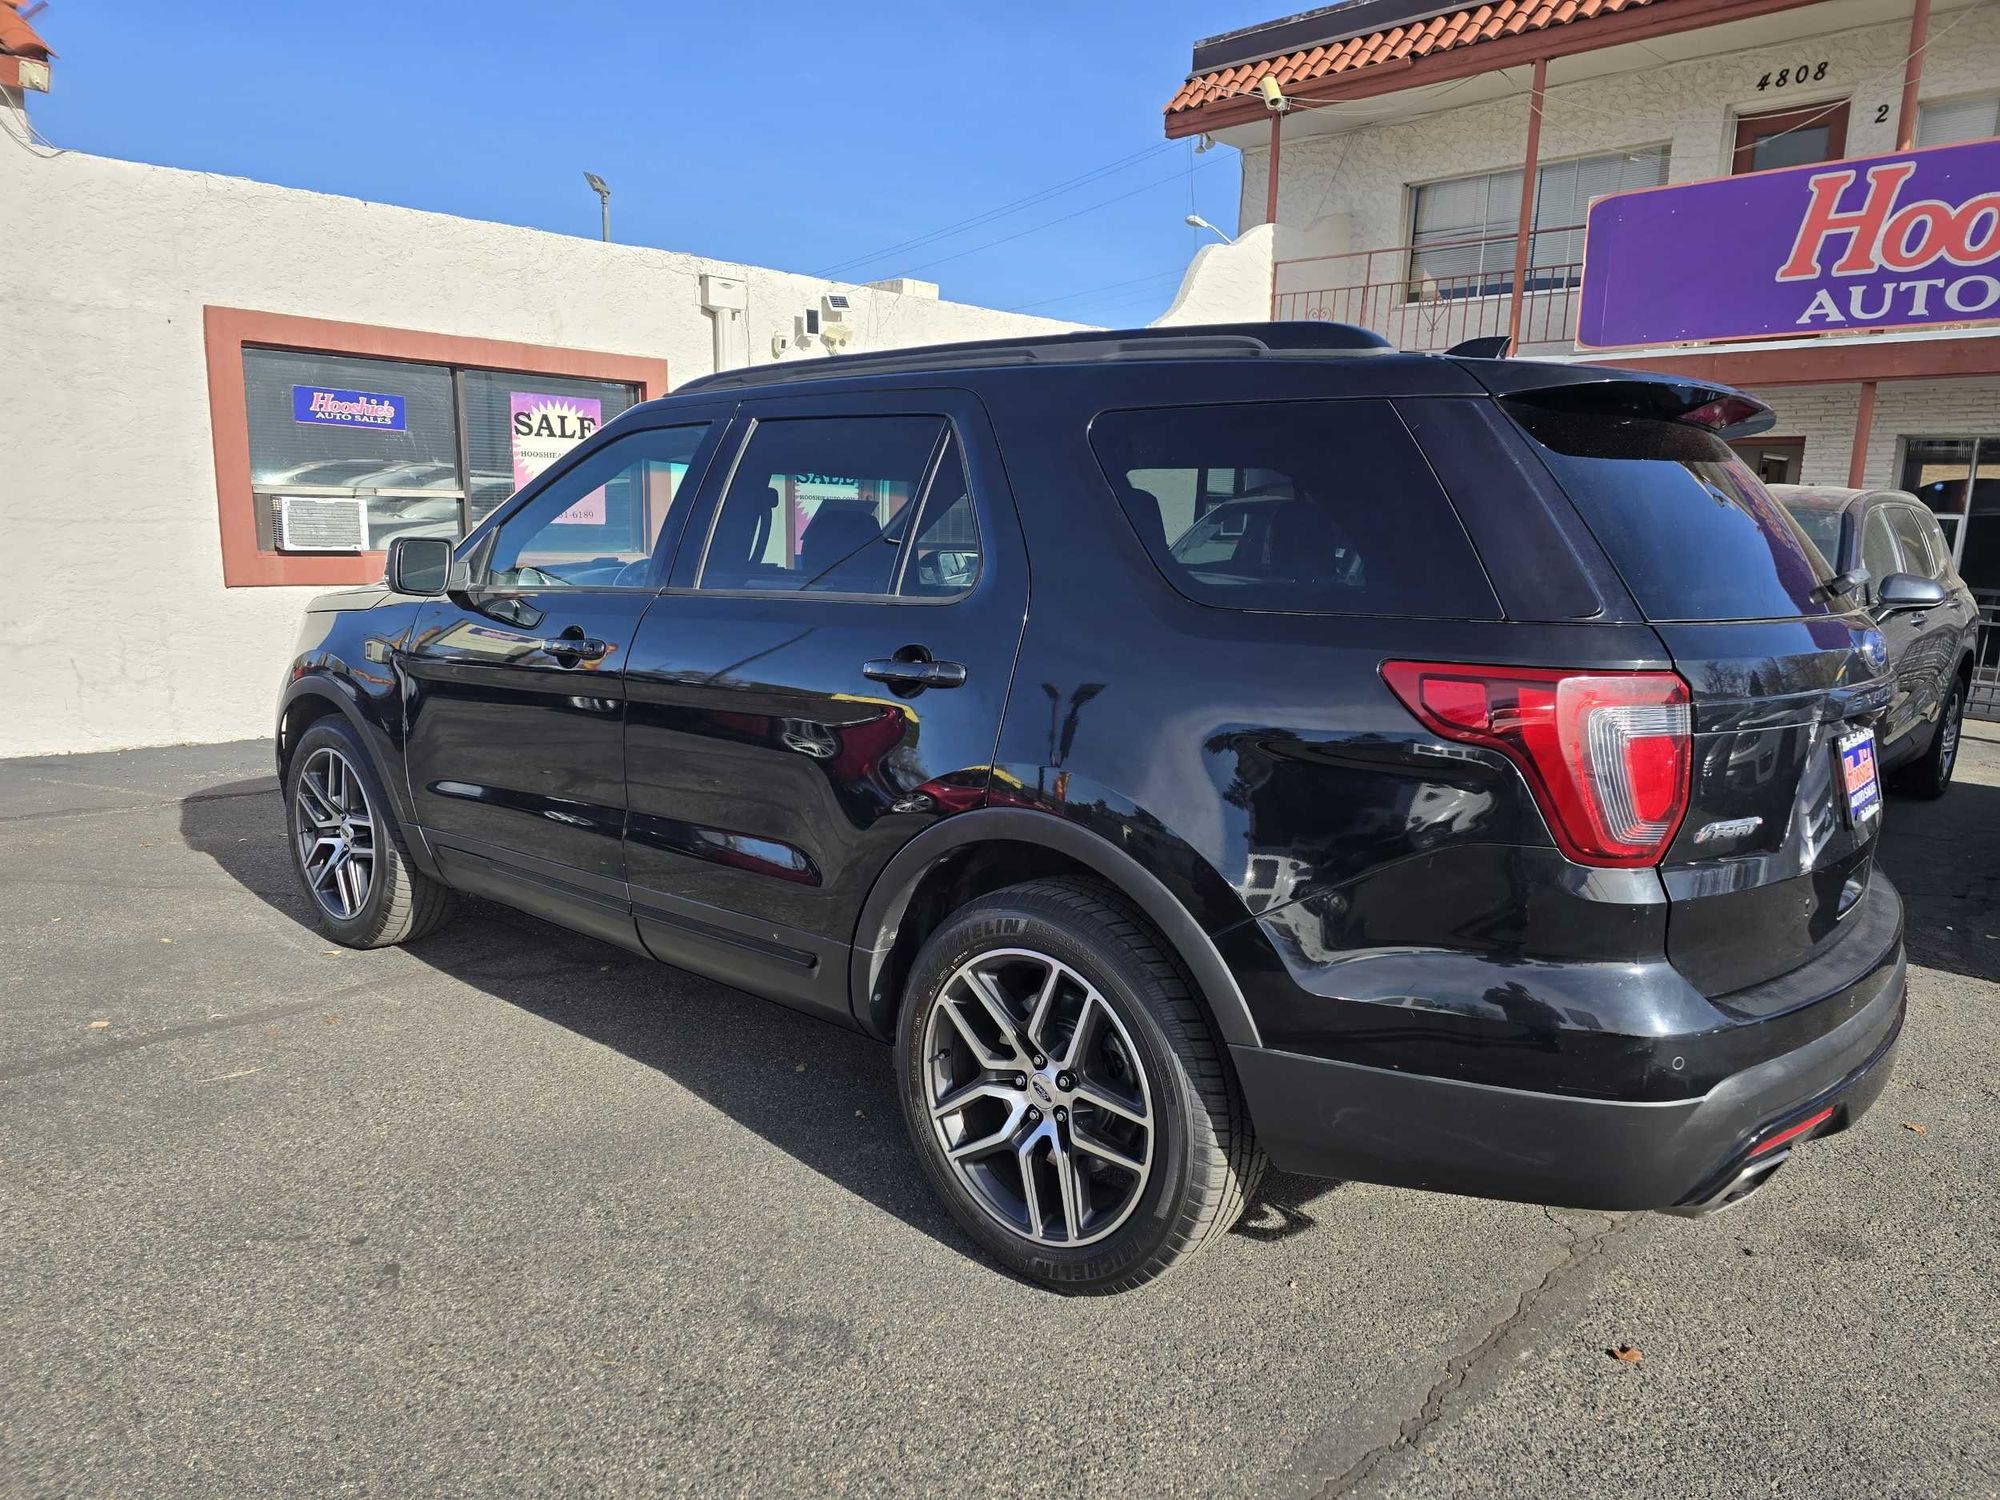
(1590, 390)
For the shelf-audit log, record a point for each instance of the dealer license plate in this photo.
(1857, 776)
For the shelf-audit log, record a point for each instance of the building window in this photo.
(346, 454)
(1959, 479)
(1790, 138)
(1463, 230)
(332, 439)
(1773, 460)
(1949, 121)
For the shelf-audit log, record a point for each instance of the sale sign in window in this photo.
(543, 429)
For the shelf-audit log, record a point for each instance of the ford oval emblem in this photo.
(1875, 649)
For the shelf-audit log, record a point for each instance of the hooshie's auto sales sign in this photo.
(322, 407)
(1896, 241)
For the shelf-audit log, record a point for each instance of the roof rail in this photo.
(1205, 341)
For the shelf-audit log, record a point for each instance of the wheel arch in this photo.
(995, 847)
(317, 695)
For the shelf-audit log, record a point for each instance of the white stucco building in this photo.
(157, 324)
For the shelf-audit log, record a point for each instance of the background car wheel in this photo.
(1064, 1092)
(1930, 775)
(346, 849)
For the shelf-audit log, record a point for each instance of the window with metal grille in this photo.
(1463, 230)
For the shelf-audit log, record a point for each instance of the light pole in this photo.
(1196, 221)
(598, 187)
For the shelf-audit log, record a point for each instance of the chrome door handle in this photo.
(915, 674)
(582, 647)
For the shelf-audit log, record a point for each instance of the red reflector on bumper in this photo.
(1799, 1129)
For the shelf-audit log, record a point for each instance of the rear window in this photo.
(1693, 532)
(1317, 507)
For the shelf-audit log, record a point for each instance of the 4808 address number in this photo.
(1803, 73)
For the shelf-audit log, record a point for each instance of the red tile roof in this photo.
(1295, 71)
(17, 37)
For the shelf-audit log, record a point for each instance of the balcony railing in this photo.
(1407, 294)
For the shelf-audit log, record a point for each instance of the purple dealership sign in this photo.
(1877, 242)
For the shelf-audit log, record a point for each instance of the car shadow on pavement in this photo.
(1944, 857)
(797, 1082)
(794, 1079)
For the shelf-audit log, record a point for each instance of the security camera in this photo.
(1274, 96)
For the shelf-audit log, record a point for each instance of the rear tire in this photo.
(1929, 776)
(347, 850)
(1103, 1139)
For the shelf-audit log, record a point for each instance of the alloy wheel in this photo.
(334, 830)
(1038, 1097)
(1954, 715)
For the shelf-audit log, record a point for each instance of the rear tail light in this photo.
(1606, 753)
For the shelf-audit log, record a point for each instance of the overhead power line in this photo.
(988, 216)
(1089, 208)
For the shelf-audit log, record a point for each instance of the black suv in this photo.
(1189, 748)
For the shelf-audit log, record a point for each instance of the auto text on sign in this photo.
(324, 407)
(1894, 241)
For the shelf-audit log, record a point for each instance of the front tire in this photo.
(1064, 1092)
(347, 851)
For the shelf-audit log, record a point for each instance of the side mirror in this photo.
(1901, 591)
(419, 565)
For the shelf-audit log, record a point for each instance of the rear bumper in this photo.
(1330, 1118)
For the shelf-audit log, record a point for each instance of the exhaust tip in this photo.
(1753, 1175)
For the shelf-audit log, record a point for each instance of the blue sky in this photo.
(801, 136)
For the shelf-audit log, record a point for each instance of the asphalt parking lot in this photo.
(513, 1213)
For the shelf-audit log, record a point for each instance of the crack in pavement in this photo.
(1458, 1370)
(151, 805)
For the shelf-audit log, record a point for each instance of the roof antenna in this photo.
(1489, 348)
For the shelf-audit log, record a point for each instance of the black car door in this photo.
(515, 684)
(1881, 556)
(1938, 631)
(824, 680)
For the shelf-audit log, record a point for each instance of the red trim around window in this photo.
(227, 329)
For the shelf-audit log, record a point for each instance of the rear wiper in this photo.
(1841, 583)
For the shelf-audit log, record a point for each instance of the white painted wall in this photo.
(115, 627)
(1225, 283)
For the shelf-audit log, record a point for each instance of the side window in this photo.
(1909, 529)
(1329, 507)
(1940, 548)
(1878, 548)
(944, 558)
(821, 504)
(598, 525)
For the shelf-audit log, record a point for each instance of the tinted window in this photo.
(1693, 532)
(1878, 547)
(1940, 548)
(944, 559)
(1325, 507)
(598, 525)
(821, 503)
(1909, 528)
